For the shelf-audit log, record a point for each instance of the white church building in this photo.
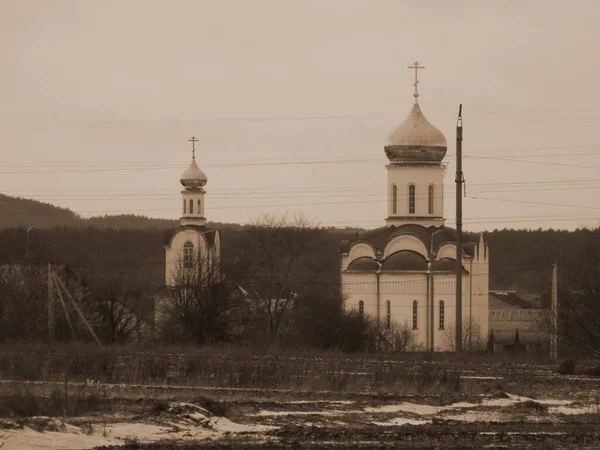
(404, 273)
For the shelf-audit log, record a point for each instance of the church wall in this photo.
(421, 177)
(402, 290)
(357, 287)
(481, 289)
(174, 253)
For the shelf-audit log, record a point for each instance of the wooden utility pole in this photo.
(459, 269)
(50, 302)
(554, 314)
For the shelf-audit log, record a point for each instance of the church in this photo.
(194, 245)
(403, 274)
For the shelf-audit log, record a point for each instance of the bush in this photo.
(567, 367)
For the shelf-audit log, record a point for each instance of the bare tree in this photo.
(471, 336)
(118, 308)
(280, 246)
(397, 337)
(579, 302)
(203, 302)
(23, 304)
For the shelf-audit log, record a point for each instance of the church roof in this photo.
(379, 237)
(508, 299)
(445, 265)
(405, 260)
(364, 263)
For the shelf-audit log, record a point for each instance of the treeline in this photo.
(519, 259)
(290, 272)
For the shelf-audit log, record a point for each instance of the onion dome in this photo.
(193, 177)
(405, 260)
(416, 140)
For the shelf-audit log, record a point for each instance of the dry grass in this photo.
(27, 401)
(235, 367)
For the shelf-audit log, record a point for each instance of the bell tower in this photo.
(193, 180)
(415, 174)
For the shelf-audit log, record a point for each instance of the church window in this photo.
(388, 317)
(415, 316)
(191, 206)
(199, 206)
(184, 205)
(361, 309)
(411, 198)
(394, 199)
(188, 255)
(431, 192)
(442, 313)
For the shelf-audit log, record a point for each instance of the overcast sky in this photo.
(292, 102)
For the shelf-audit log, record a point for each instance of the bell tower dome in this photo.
(415, 173)
(193, 180)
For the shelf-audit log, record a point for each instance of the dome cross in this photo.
(416, 66)
(193, 140)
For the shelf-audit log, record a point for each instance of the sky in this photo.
(292, 102)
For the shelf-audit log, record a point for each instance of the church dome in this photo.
(405, 260)
(193, 177)
(363, 263)
(416, 140)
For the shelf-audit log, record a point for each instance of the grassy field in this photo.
(226, 397)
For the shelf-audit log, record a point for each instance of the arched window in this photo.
(394, 199)
(388, 317)
(184, 204)
(411, 198)
(199, 206)
(361, 309)
(191, 206)
(188, 255)
(415, 316)
(442, 312)
(431, 192)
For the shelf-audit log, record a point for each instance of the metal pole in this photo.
(459, 270)
(554, 312)
(50, 302)
(432, 259)
(432, 313)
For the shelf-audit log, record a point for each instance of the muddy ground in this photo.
(502, 404)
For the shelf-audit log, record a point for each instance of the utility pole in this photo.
(459, 269)
(50, 302)
(554, 314)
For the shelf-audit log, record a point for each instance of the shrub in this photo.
(567, 367)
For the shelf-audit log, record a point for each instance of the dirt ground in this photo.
(495, 405)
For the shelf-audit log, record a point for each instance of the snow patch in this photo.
(402, 421)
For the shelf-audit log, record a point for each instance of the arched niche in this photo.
(405, 242)
(361, 249)
(448, 250)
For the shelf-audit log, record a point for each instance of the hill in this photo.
(23, 212)
(17, 212)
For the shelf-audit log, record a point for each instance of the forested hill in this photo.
(18, 212)
(519, 259)
(21, 212)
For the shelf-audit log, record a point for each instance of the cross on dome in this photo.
(193, 140)
(416, 66)
(193, 177)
